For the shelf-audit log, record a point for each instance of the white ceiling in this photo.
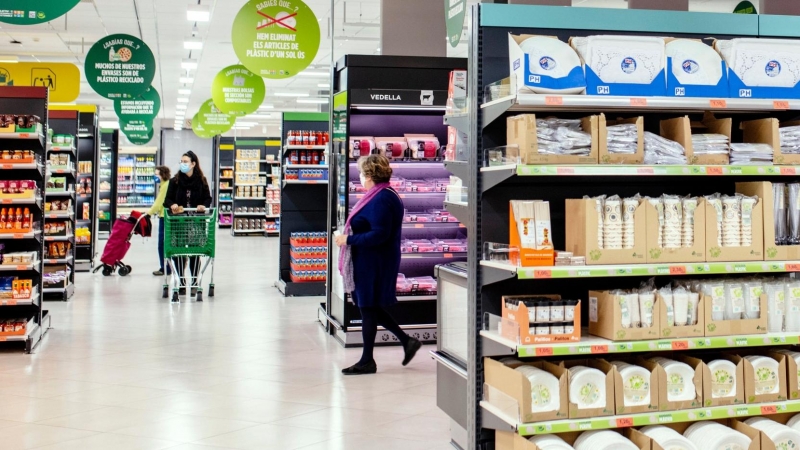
(162, 24)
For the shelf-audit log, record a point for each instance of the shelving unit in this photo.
(63, 122)
(136, 186)
(26, 101)
(489, 190)
(358, 111)
(106, 211)
(252, 176)
(224, 189)
(87, 193)
(303, 205)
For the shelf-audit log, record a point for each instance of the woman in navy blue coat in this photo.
(372, 239)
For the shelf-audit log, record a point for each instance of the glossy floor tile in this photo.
(124, 369)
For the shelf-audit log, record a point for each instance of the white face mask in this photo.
(363, 179)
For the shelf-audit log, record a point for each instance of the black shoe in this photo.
(182, 290)
(411, 348)
(158, 273)
(366, 369)
(193, 291)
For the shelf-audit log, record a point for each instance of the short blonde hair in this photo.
(375, 167)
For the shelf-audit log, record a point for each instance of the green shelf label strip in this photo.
(639, 170)
(636, 420)
(634, 270)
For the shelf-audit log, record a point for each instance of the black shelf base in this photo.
(291, 289)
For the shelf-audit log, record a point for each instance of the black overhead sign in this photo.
(397, 97)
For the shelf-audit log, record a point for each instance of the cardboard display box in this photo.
(605, 319)
(734, 327)
(654, 382)
(767, 131)
(792, 376)
(709, 382)
(507, 440)
(752, 433)
(606, 368)
(613, 158)
(529, 257)
(581, 233)
(715, 252)
(751, 382)
(679, 130)
(772, 252)
(527, 334)
(513, 390)
(695, 253)
(521, 131)
(674, 331)
(664, 404)
(711, 124)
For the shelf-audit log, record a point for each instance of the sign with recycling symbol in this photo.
(32, 12)
(237, 91)
(120, 66)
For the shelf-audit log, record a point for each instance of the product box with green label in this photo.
(675, 383)
(611, 317)
(636, 393)
(792, 376)
(716, 252)
(764, 191)
(589, 392)
(763, 384)
(584, 230)
(714, 307)
(690, 253)
(723, 387)
(512, 392)
(670, 321)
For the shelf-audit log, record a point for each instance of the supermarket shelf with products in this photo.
(136, 185)
(250, 184)
(22, 218)
(224, 148)
(106, 210)
(570, 194)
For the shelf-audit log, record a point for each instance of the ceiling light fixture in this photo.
(181, 106)
(188, 63)
(198, 13)
(177, 128)
(109, 124)
(183, 100)
(309, 73)
(290, 94)
(192, 44)
(186, 80)
(184, 91)
(312, 100)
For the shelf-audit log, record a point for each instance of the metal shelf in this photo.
(247, 198)
(19, 267)
(459, 210)
(305, 166)
(59, 193)
(433, 225)
(20, 201)
(432, 255)
(305, 147)
(68, 237)
(59, 215)
(459, 169)
(21, 166)
(318, 182)
(638, 170)
(15, 236)
(52, 262)
(459, 121)
(248, 214)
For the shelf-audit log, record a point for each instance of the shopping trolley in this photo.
(119, 242)
(189, 235)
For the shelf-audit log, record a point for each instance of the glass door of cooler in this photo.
(106, 181)
(136, 180)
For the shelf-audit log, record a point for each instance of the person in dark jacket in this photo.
(188, 189)
(370, 259)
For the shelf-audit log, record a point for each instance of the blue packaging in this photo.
(676, 89)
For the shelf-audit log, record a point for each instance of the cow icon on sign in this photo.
(426, 98)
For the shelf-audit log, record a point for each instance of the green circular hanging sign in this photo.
(745, 7)
(136, 127)
(198, 128)
(120, 66)
(144, 107)
(455, 11)
(238, 91)
(275, 38)
(140, 139)
(27, 12)
(214, 120)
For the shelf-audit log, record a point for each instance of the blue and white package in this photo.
(694, 69)
(545, 65)
(762, 68)
(624, 65)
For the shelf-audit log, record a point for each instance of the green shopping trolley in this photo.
(189, 237)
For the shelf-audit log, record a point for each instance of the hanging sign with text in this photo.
(237, 91)
(120, 66)
(27, 12)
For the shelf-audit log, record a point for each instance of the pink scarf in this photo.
(345, 257)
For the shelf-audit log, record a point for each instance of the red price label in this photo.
(599, 349)
(542, 274)
(22, 267)
(18, 236)
(714, 170)
(49, 239)
(792, 267)
(680, 345)
(769, 409)
(24, 135)
(645, 171)
(11, 302)
(53, 216)
(544, 351)
(718, 103)
(553, 100)
(2, 338)
(6, 200)
(677, 270)
(780, 104)
(638, 102)
(788, 171)
(625, 422)
(8, 166)
(419, 225)
(59, 171)
(565, 171)
(52, 261)
(448, 255)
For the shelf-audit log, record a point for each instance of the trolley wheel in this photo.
(165, 293)
(193, 292)
(211, 291)
(124, 271)
(107, 271)
(175, 298)
(130, 269)
(199, 296)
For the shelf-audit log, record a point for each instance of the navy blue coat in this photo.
(375, 249)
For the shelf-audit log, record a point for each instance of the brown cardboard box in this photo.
(674, 331)
(510, 390)
(609, 370)
(663, 400)
(619, 393)
(527, 334)
(521, 131)
(755, 435)
(529, 257)
(767, 131)
(709, 381)
(695, 253)
(717, 253)
(614, 158)
(734, 328)
(605, 319)
(507, 440)
(750, 381)
(581, 233)
(792, 376)
(772, 252)
(679, 130)
(710, 124)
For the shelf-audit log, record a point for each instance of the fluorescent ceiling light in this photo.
(186, 80)
(290, 94)
(109, 124)
(189, 64)
(310, 73)
(184, 91)
(177, 128)
(9, 59)
(312, 100)
(324, 85)
(183, 100)
(181, 106)
(180, 115)
(198, 13)
(193, 44)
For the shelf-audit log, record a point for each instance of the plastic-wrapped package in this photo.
(751, 154)
(791, 297)
(710, 144)
(790, 140)
(612, 223)
(667, 296)
(734, 300)
(659, 150)
(716, 291)
(793, 214)
(779, 213)
(623, 138)
(673, 220)
(680, 301)
(747, 205)
(600, 208)
(776, 305)
(629, 206)
(647, 299)
(731, 221)
(752, 290)
(658, 204)
(562, 137)
(689, 205)
(626, 320)
(715, 201)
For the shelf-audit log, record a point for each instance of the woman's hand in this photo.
(201, 208)
(174, 208)
(340, 240)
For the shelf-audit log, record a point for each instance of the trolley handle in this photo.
(193, 210)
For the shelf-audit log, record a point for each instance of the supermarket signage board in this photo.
(212, 119)
(27, 12)
(199, 129)
(63, 80)
(397, 97)
(120, 66)
(238, 91)
(455, 12)
(144, 107)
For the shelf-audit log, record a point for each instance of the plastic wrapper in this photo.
(751, 154)
(715, 201)
(626, 318)
(779, 213)
(734, 300)
(752, 291)
(710, 144)
(715, 290)
(612, 223)
(793, 214)
(647, 300)
(659, 150)
(791, 297)
(667, 297)
(689, 205)
(622, 139)
(658, 204)
(600, 208)
(790, 140)
(680, 301)
(747, 206)
(776, 305)
(562, 137)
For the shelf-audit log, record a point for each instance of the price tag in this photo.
(542, 274)
(793, 267)
(6, 201)
(788, 171)
(52, 261)
(49, 239)
(544, 351)
(2, 338)
(22, 267)
(680, 345)
(419, 225)
(638, 101)
(24, 135)
(448, 255)
(714, 170)
(11, 302)
(554, 100)
(624, 422)
(645, 171)
(599, 349)
(769, 409)
(18, 236)
(718, 103)
(8, 166)
(565, 171)
(53, 216)
(780, 104)
(677, 270)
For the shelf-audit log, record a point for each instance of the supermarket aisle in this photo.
(124, 369)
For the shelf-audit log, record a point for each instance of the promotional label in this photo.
(455, 12)
(136, 128)
(143, 108)
(214, 120)
(25, 12)
(198, 128)
(63, 80)
(237, 91)
(275, 38)
(120, 66)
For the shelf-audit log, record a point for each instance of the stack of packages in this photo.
(622, 139)
(615, 221)
(710, 144)
(751, 154)
(675, 220)
(734, 216)
(562, 137)
(659, 150)
(786, 210)
(790, 140)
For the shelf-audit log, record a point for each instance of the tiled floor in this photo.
(123, 369)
